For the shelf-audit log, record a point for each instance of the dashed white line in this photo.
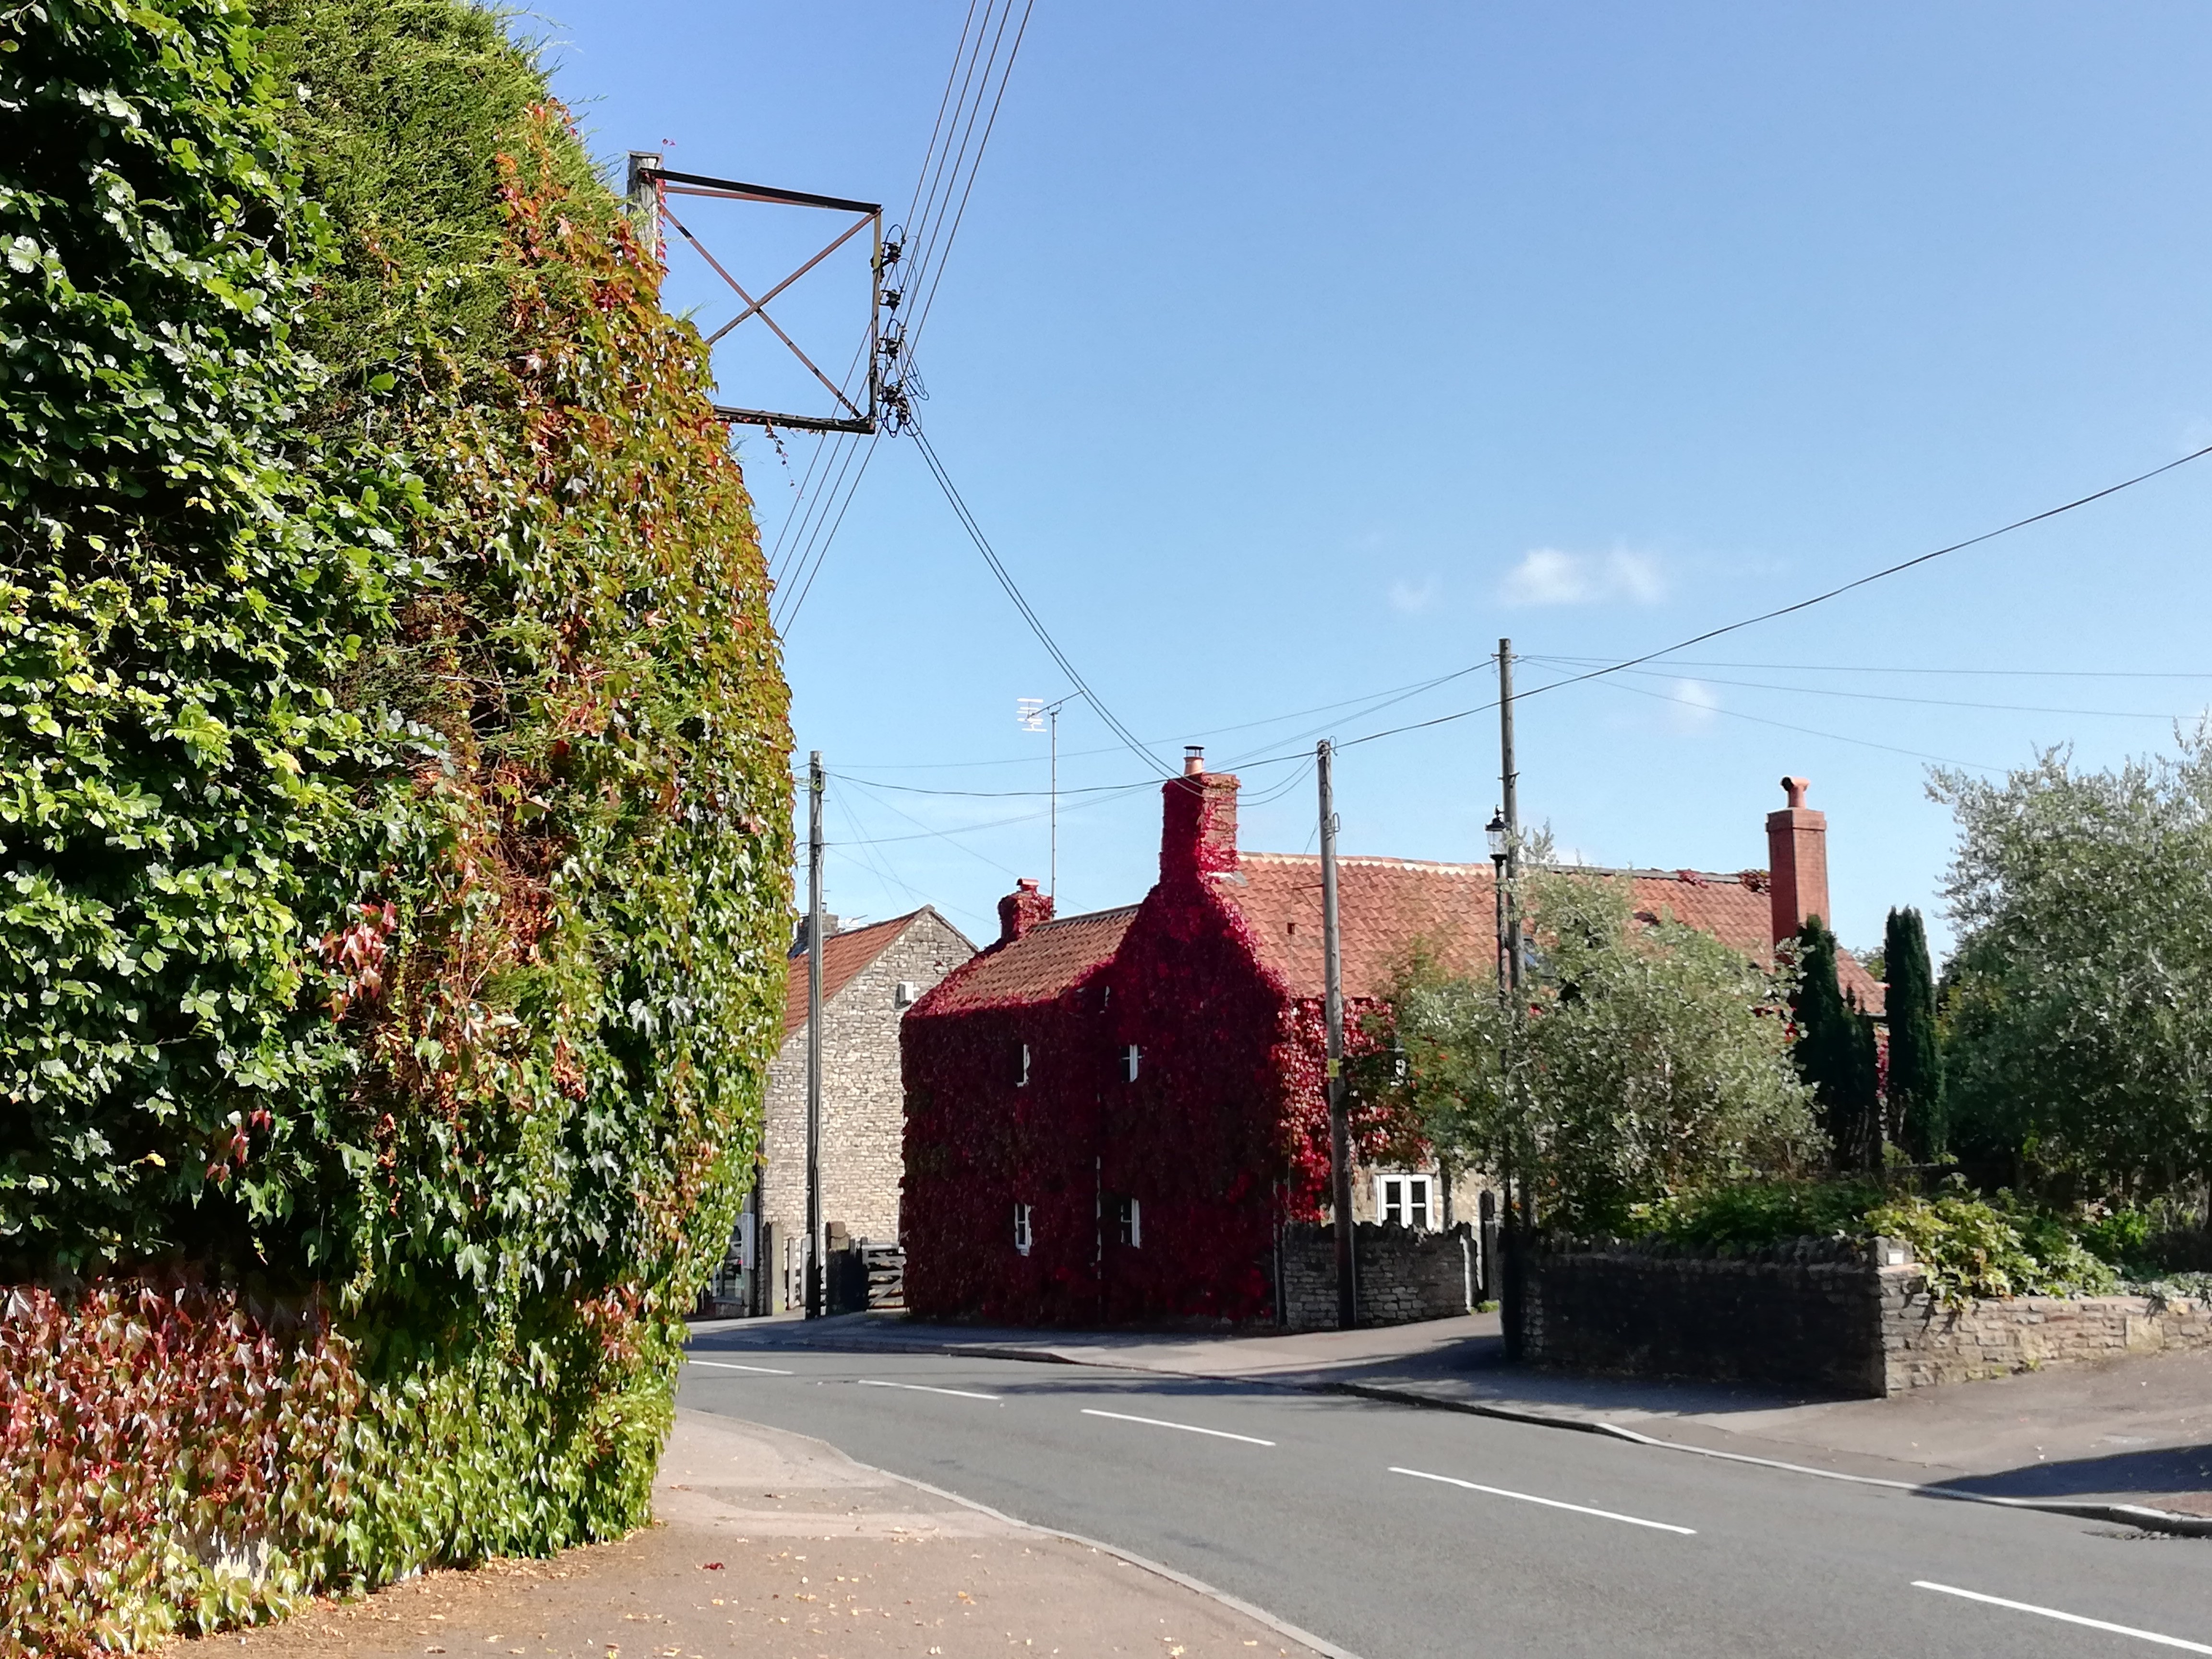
(924, 1388)
(725, 1366)
(2066, 1617)
(1187, 1428)
(1548, 1503)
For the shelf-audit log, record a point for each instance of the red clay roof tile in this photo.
(843, 955)
(1051, 958)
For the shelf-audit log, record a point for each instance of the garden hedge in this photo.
(394, 807)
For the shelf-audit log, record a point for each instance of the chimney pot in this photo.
(1194, 760)
(1797, 857)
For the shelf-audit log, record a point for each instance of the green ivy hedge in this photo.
(394, 799)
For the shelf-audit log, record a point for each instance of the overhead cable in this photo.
(1028, 615)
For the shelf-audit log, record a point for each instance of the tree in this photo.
(2078, 1052)
(1649, 1060)
(1835, 1052)
(1916, 1060)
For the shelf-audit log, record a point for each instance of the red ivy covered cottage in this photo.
(1108, 1115)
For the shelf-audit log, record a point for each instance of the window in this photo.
(1131, 1223)
(1403, 1200)
(1021, 1068)
(1129, 1062)
(1022, 1237)
(906, 994)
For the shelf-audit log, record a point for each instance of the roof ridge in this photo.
(1083, 915)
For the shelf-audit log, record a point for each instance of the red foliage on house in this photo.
(1109, 1116)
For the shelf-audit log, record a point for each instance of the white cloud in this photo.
(1411, 597)
(1546, 575)
(1694, 706)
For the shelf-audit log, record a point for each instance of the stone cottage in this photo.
(870, 977)
(1113, 1116)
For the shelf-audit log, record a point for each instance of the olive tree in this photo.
(1643, 1059)
(2078, 1009)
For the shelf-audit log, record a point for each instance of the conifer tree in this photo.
(1916, 1063)
(1834, 1052)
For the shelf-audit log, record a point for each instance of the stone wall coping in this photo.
(1836, 1251)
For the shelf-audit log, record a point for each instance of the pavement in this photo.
(2136, 1431)
(770, 1543)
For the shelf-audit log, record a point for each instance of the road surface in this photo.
(1400, 1533)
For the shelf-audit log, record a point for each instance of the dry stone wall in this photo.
(1925, 1343)
(1829, 1316)
(1402, 1275)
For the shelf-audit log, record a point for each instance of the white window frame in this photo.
(1413, 1202)
(1023, 1081)
(906, 993)
(1025, 1233)
(1131, 1223)
(1131, 1058)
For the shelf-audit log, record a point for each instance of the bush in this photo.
(1759, 1214)
(394, 806)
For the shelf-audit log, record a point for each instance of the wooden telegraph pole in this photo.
(1509, 985)
(1340, 1125)
(814, 1035)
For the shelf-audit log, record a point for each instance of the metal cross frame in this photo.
(647, 174)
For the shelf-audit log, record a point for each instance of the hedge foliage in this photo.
(394, 799)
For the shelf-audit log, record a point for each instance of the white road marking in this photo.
(725, 1366)
(1187, 1428)
(1548, 1503)
(924, 1388)
(2068, 1617)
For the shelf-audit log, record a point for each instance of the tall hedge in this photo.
(393, 808)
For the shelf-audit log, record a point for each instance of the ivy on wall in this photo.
(1222, 1136)
(393, 802)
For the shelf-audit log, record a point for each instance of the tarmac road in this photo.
(1397, 1532)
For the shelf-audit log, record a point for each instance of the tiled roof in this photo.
(1037, 967)
(843, 955)
(1387, 906)
(1384, 905)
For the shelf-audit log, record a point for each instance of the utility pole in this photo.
(814, 1035)
(1340, 1125)
(1508, 987)
(644, 200)
(1051, 866)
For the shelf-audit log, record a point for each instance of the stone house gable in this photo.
(863, 1105)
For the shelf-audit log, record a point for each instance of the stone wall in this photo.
(1402, 1275)
(863, 1101)
(1804, 1315)
(1830, 1315)
(1925, 1343)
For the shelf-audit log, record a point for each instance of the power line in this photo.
(1837, 736)
(1784, 609)
(1876, 668)
(1036, 626)
(1925, 702)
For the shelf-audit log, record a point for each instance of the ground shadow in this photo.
(2169, 1470)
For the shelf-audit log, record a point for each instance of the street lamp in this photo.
(1501, 843)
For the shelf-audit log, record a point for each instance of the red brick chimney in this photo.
(1797, 856)
(1021, 909)
(1198, 821)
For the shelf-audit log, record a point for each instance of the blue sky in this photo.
(1292, 354)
